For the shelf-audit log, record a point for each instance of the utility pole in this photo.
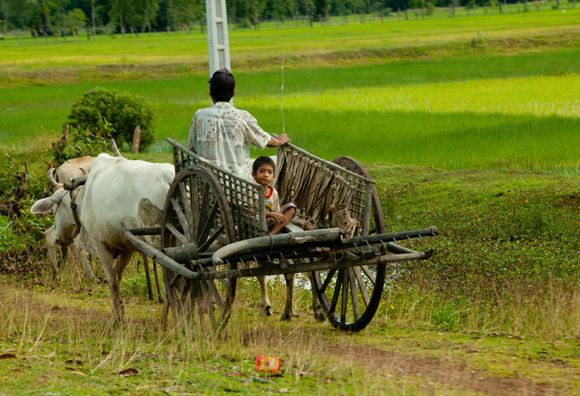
(217, 35)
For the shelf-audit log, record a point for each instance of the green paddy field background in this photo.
(454, 93)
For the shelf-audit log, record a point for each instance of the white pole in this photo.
(217, 35)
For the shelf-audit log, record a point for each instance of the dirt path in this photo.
(435, 371)
(383, 355)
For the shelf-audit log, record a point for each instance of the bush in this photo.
(110, 113)
(83, 142)
(21, 232)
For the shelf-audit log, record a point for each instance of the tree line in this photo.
(73, 17)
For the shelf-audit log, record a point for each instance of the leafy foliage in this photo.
(84, 142)
(102, 114)
(21, 233)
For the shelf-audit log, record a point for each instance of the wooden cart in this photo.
(213, 231)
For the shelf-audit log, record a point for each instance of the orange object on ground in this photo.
(268, 364)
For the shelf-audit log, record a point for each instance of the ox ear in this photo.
(42, 206)
(45, 205)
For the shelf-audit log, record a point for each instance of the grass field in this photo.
(455, 106)
(87, 355)
(271, 40)
(471, 124)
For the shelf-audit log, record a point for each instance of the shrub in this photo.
(21, 232)
(105, 113)
(83, 142)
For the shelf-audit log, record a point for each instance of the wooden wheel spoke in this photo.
(204, 297)
(200, 209)
(186, 288)
(175, 232)
(217, 299)
(209, 220)
(327, 280)
(205, 199)
(369, 274)
(209, 303)
(172, 278)
(211, 238)
(211, 286)
(214, 293)
(194, 200)
(336, 293)
(182, 218)
(185, 199)
(344, 302)
(362, 286)
(353, 293)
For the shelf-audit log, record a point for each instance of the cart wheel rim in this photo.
(350, 296)
(198, 216)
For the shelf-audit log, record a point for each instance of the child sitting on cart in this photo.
(263, 172)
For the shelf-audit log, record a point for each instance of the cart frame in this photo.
(214, 231)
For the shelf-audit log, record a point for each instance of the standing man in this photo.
(223, 134)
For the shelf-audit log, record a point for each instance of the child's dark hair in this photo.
(262, 161)
(222, 85)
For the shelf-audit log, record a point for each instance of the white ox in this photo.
(75, 167)
(117, 191)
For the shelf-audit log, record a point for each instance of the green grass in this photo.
(469, 92)
(258, 44)
(62, 342)
(509, 111)
(505, 258)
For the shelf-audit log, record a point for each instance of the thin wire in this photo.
(282, 95)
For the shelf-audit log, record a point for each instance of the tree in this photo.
(4, 9)
(452, 6)
(93, 18)
(278, 9)
(75, 20)
(149, 8)
(321, 9)
(122, 14)
(255, 9)
(176, 13)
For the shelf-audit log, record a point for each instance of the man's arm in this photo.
(279, 140)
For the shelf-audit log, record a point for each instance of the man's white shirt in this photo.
(223, 134)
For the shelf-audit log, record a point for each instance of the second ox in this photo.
(73, 168)
(117, 192)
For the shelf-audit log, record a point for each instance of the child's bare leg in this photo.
(288, 215)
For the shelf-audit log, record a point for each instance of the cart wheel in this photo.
(377, 225)
(350, 296)
(197, 215)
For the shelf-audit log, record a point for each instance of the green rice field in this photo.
(484, 91)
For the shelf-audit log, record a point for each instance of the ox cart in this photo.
(213, 231)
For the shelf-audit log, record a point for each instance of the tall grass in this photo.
(74, 348)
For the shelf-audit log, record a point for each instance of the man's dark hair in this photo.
(221, 85)
(263, 161)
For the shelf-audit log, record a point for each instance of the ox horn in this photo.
(52, 183)
(115, 149)
(74, 183)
